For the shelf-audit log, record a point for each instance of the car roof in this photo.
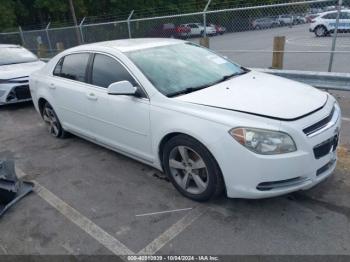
(127, 45)
(332, 11)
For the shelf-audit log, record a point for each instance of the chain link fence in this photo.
(243, 33)
(11, 38)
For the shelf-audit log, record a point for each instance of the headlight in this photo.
(263, 141)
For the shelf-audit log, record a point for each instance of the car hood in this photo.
(19, 70)
(261, 94)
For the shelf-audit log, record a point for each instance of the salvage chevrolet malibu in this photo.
(208, 123)
(16, 64)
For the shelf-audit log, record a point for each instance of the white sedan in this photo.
(197, 29)
(208, 123)
(16, 64)
(325, 23)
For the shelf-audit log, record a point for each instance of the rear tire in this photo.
(52, 121)
(192, 169)
(321, 31)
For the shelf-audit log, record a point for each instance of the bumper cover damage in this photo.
(11, 188)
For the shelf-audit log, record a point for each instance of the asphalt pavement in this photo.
(253, 48)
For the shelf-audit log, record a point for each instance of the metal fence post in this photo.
(81, 30)
(48, 37)
(205, 18)
(128, 21)
(22, 36)
(340, 3)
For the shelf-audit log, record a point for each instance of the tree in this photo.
(8, 16)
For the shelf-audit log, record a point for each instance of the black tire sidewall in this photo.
(215, 185)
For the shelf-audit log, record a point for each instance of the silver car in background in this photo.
(263, 23)
(16, 64)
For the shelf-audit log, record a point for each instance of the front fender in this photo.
(165, 122)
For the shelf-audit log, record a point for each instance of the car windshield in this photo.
(183, 68)
(15, 55)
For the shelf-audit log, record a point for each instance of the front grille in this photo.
(265, 186)
(326, 147)
(319, 125)
(22, 92)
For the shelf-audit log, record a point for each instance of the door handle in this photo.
(52, 86)
(91, 96)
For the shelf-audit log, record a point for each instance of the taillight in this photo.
(313, 21)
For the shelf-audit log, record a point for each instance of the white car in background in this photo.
(285, 20)
(208, 123)
(324, 24)
(197, 29)
(16, 64)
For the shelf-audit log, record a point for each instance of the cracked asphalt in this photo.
(105, 190)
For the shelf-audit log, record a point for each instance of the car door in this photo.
(344, 21)
(68, 88)
(330, 20)
(195, 30)
(118, 121)
(264, 23)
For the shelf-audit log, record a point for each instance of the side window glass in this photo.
(74, 67)
(58, 68)
(107, 70)
(331, 16)
(344, 15)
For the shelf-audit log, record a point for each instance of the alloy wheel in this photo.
(320, 31)
(51, 120)
(188, 169)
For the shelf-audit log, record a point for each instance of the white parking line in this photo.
(173, 231)
(163, 212)
(104, 238)
(3, 249)
(345, 119)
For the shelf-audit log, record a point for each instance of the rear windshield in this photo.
(15, 55)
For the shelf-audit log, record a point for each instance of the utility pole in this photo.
(71, 6)
(335, 35)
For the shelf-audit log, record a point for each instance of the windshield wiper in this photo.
(187, 90)
(192, 89)
(227, 77)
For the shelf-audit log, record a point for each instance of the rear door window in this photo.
(344, 15)
(73, 67)
(330, 16)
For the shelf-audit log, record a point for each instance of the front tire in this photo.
(192, 169)
(52, 121)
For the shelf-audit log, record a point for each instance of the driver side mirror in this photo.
(122, 88)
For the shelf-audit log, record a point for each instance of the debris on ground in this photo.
(11, 188)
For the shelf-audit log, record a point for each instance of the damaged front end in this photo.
(14, 90)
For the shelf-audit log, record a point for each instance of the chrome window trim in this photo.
(99, 87)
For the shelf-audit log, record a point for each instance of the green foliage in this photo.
(35, 12)
(8, 16)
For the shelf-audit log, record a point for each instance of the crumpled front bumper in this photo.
(14, 90)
